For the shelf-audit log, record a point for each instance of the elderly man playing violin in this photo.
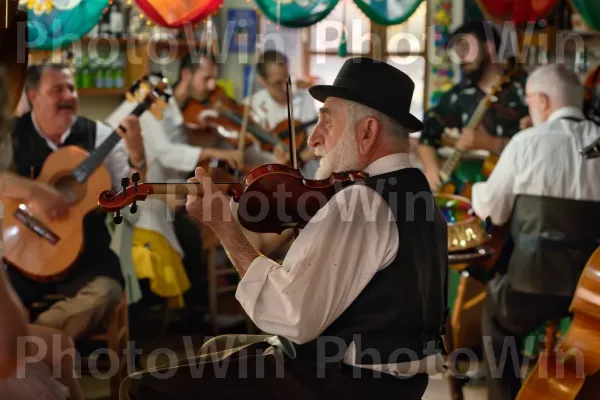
(357, 307)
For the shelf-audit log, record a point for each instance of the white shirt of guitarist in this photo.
(328, 265)
(542, 161)
(117, 162)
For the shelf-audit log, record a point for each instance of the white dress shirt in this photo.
(345, 244)
(544, 160)
(117, 161)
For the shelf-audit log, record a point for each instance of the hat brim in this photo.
(322, 92)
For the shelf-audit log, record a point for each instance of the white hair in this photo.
(560, 84)
(357, 112)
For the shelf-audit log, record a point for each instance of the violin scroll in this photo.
(109, 201)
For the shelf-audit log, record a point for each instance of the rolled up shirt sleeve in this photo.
(333, 259)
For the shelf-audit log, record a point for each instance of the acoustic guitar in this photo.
(462, 187)
(45, 249)
(570, 371)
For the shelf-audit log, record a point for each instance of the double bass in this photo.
(570, 370)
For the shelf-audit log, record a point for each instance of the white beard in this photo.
(343, 156)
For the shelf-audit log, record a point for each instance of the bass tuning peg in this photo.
(134, 207)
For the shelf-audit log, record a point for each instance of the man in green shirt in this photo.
(477, 45)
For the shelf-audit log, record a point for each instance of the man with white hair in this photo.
(550, 193)
(358, 305)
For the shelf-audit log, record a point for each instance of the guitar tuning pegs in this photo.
(117, 218)
(134, 207)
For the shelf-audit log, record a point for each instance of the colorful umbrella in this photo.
(53, 24)
(296, 13)
(388, 12)
(590, 12)
(175, 14)
(517, 11)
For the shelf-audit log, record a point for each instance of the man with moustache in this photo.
(477, 46)
(94, 284)
(363, 274)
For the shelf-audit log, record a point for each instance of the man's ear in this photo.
(544, 102)
(186, 75)
(31, 96)
(368, 133)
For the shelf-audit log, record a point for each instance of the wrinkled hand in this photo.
(204, 115)
(525, 122)
(132, 136)
(281, 156)
(433, 178)
(234, 158)
(467, 139)
(207, 203)
(50, 201)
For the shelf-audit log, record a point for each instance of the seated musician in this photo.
(551, 196)
(39, 369)
(370, 276)
(94, 283)
(269, 104)
(477, 46)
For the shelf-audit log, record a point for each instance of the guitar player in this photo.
(94, 284)
(476, 46)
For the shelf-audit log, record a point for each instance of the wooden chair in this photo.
(216, 289)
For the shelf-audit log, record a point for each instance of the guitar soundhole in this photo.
(70, 188)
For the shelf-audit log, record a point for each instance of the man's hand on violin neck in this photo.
(207, 203)
(212, 208)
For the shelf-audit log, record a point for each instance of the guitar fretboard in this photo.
(453, 161)
(97, 157)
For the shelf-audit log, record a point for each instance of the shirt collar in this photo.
(50, 143)
(389, 163)
(566, 112)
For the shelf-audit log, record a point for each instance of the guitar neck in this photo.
(97, 157)
(451, 164)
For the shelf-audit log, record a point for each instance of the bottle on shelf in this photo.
(116, 19)
(86, 75)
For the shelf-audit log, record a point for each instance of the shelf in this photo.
(102, 92)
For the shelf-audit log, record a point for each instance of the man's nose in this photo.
(315, 139)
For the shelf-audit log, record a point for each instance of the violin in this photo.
(281, 131)
(229, 122)
(570, 370)
(272, 197)
(263, 208)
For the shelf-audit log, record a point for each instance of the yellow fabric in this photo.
(227, 86)
(155, 259)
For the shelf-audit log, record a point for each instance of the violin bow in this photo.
(291, 125)
(292, 133)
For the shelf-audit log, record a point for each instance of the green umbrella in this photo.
(297, 13)
(590, 12)
(388, 12)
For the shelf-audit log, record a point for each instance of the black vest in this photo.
(400, 315)
(30, 151)
(553, 239)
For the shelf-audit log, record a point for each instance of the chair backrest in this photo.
(553, 238)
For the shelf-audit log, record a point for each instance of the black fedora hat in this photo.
(375, 84)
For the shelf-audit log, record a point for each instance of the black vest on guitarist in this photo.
(400, 314)
(553, 240)
(30, 151)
